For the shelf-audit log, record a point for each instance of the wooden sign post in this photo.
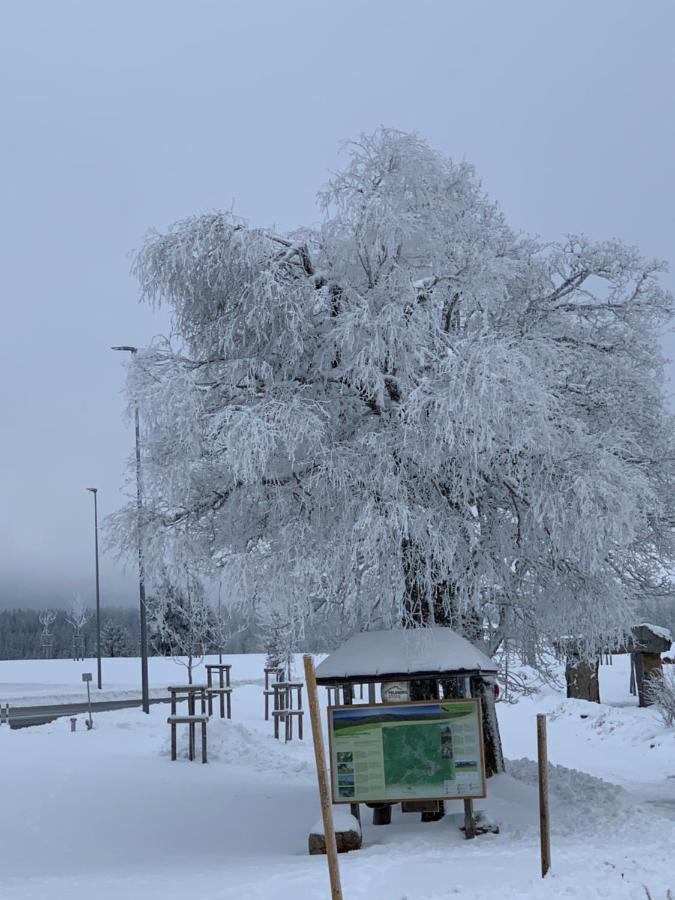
(544, 829)
(322, 777)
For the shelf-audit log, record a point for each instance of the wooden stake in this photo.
(322, 777)
(469, 820)
(544, 832)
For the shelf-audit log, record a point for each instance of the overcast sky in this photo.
(116, 117)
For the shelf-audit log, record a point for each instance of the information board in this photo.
(431, 750)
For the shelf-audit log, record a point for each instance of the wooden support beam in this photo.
(469, 819)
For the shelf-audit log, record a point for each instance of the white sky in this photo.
(121, 115)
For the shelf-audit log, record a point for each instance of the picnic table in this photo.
(189, 692)
(223, 689)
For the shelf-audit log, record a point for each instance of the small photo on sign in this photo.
(345, 757)
(346, 790)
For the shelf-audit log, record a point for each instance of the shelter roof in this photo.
(401, 653)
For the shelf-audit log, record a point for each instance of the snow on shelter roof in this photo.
(402, 652)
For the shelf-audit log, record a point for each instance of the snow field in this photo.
(30, 682)
(106, 814)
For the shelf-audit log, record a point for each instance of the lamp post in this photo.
(141, 566)
(94, 491)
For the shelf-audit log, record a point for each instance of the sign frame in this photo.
(382, 707)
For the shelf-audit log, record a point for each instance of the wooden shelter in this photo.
(434, 662)
(646, 643)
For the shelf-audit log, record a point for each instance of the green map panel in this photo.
(418, 754)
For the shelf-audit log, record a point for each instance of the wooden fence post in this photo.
(326, 811)
(544, 824)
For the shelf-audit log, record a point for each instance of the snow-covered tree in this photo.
(180, 620)
(77, 617)
(46, 617)
(115, 639)
(279, 631)
(410, 413)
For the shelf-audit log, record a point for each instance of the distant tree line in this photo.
(235, 630)
(22, 634)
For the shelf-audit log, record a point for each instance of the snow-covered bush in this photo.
(661, 694)
(180, 620)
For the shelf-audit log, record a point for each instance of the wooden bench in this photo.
(191, 721)
(268, 691)
(223, 689)
(188, 692)
(284, 710)
(225, 694)
(286, 715)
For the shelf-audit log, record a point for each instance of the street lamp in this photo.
(141, 567)
(94, 491)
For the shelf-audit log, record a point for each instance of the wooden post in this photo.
(544, 833)
(469, 819)
(322, 777)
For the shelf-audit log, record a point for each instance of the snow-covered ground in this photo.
(105, 814)
(31, 682)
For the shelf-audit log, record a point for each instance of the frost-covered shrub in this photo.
(661, 693)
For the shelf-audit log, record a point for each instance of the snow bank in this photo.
(105, 814)
(237, 744)
(30, 682)
(580, 803)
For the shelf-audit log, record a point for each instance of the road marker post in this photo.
(86, 677)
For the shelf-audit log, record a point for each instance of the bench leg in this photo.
(173, 741)
(289, 728)
(229, 706)
(300, 727)
(276, 727)
(191, 741)
(222, 706)
(204, 742)
(267, 707)
(210, 705)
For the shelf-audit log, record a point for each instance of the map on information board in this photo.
(409, 751)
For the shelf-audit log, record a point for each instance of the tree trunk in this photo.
(582, 679)
(646, 665)
(469, 625)
(492, 741)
